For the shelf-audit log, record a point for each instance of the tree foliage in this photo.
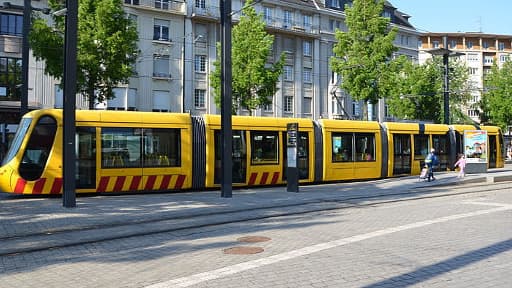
(254, 79)
(362, 54)
(106, 46)
(497, 99)
(418, 94)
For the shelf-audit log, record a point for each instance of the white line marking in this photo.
(233, 269)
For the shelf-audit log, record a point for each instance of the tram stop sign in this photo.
(292, 172)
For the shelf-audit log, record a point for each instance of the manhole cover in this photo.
(243, 250)
(253, 239)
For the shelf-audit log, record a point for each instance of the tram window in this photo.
(420, 147)
(342, 147)
(120, 147)
(365, 147)
(162, 147)
(38, 148)
(441, 144)
(18, 139)
(264, 147)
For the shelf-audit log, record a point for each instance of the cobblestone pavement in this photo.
(335, 235)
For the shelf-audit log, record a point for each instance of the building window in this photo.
(200, 98)
(161, 30)
(472, 57)
(306, 109)
(334, 24)
(269, 107)
(11, 24)
(469, 44)
(288, 73)
(288, 104)
(307, 22)
(200, 63)
(473, 71)
(131, 2)
(488, 59)
(307, 75)
(288, 19)
(161, 101)
(420, 44)
(268, 14)
(336, 4)
(453, 44)
(435, 44)
(161, 66)
(501, 46)
(504, 58)
(306, 47)
(10, 79)
(485, 44)
(162, 4)
(201, 4)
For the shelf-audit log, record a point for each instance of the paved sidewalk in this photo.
(31, 224)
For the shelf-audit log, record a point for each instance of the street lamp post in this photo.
(69, 128)
(445, 52)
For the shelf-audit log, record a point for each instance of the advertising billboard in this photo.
(475, 146)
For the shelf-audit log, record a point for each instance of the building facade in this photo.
(479, 51)
(177, 43)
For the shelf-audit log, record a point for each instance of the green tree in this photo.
(106, 46)
(254, 79)
(362, 54)
(417, 90)
(497, 99)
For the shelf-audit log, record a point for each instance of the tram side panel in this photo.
(351, 150)
(259, 150)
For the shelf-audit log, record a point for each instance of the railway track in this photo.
(87, 234)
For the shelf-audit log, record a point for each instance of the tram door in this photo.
(86, 157)
(402, 154)
(493, 151)
(239, 168)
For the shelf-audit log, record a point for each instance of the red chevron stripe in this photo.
(179, 182)
(119, 183)
(38, 186)
(56, 186)
(135, 183)
(275, 177)
(102, 186)
(264, 178)
(165, 182)
(253, 178)
(150, 183)
(20, 186)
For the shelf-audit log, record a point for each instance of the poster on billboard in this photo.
(475, 146)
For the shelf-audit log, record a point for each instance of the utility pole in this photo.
(226, 100)
(27, 13)
(69, 117)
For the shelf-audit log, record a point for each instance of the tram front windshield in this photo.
(21, 132)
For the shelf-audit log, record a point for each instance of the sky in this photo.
(486, 16)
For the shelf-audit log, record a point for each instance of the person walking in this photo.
(461, 163)
(431, 160)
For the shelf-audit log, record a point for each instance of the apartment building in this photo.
(479, 51)
(177, 43)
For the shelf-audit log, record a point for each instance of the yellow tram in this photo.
(122, 151)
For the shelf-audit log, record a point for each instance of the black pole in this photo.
(70, 66)
(226, 100)
(446, 93)
(27, 11)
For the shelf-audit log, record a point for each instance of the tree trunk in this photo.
(365, 110)
(91, 98)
